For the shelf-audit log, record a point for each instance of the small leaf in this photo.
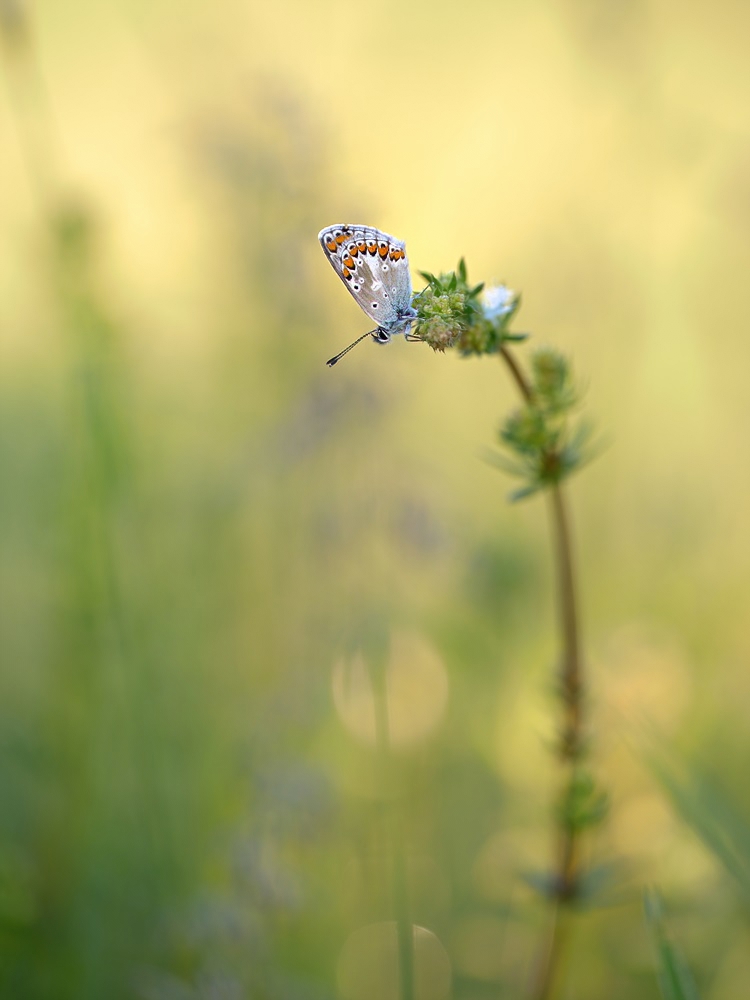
(652, 907)
(501, 462)
(596, 885)
(675, 979)
(582, 433)
(516, 338)
(545, 883)
(705, 806)
(462, 270)
(584, 803)
(526, 491)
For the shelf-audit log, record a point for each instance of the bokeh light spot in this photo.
(368, 967)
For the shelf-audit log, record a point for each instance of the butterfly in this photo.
(375, 269)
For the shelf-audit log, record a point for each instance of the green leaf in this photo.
(516, 338)
(584, 804)
(582, 433)
(462, 270)
(545, 883)
(703, 804)
(593, 888)
(675, 979)
(601, 885)
(526, 491)
(507, 465)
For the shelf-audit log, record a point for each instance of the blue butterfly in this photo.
(375, 269)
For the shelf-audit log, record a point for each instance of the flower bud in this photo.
(498, 301)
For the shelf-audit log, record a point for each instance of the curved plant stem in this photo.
(571, 692)
(571, 684)
(518, 376)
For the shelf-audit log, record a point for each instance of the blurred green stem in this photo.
(29, 102)
(566, 874)
(518, 376)
(571, 683)
(395, 831)
(404, 929)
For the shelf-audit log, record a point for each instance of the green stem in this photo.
(571, 683)
(404, 928)
(394, 826)
(571, 690)
(520, 379)
(30, 104)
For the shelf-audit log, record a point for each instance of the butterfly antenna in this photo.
(332, 361)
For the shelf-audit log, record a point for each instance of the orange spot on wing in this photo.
(340, 238)
(347, 273)
(331, 245)
(383, 251)
(348, 262)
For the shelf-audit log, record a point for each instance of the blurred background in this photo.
(213, 548)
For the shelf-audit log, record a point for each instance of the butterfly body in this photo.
(375, 269)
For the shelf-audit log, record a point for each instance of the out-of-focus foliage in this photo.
(705, 806)
(275, 652)
(675, 980)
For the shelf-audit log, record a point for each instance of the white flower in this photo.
(498, 301)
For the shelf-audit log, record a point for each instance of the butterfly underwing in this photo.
(375, 269)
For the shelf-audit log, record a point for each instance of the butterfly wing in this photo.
(375, 269)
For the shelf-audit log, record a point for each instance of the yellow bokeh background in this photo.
(221, 560)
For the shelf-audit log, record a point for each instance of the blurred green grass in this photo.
(198, 521)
